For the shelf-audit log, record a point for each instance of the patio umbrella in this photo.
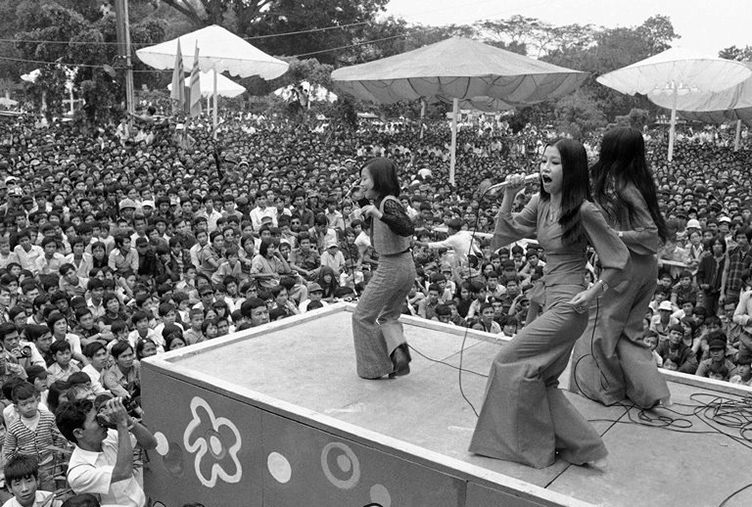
(734, 103)
(673, 74)
(220, 51)
(458, 69)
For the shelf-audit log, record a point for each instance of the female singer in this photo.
(525, 417)
(380, 347)
(610, 360)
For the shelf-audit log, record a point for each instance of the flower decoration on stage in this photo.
(216, 442)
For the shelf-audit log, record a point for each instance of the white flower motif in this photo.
(209, 440)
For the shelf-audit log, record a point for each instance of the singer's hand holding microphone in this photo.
(512, 184)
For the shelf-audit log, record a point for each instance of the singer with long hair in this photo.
(525, 417)
(610, 360)
(380, 346)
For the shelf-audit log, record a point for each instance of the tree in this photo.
(658, 32)
(734, 53)
(262, 20)
(578, 114)
(80, 33)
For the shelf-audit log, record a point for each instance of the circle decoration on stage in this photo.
(380, 495)
(215, 440)
(343, 471)
(279, 467)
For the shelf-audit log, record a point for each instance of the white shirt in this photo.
(362, 242)
(91, 472)
(39, 501)
(257, 214)
(96, 379)
(461, 243)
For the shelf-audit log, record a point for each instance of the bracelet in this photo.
(604, 285)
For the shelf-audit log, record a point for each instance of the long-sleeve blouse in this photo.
(395, 217)
(639, 232)
(565, 263)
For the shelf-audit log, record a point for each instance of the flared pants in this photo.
(525, 417)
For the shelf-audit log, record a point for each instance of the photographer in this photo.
(16, 355)
(102, 462)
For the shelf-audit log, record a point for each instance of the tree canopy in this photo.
(314, 36)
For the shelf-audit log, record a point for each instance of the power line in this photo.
(351, 45)
(43, 62)
(332, 27)
(252, 37)
(69, 64)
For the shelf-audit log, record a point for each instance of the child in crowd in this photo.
(22, 480)
(63, 366)
(33, 434)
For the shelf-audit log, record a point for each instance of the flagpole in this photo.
(215, 103)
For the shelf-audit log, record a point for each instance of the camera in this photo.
(130, 404)
(22, 352)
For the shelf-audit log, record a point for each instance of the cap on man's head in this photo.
(693, 224)
(126, 204)
(314, 287)
(665, 305)
(717, 344)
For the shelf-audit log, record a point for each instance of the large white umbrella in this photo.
(673, 74)
(219, 51)
(458, 69)
(734, 103)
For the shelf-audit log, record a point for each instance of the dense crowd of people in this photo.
(133, 240)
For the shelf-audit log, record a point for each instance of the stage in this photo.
(277, 416)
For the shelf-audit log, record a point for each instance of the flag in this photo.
(195, 87)
(178, 92)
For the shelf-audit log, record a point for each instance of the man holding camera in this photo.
(102, 462)
(16, 355)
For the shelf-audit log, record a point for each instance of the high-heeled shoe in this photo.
(401, 361)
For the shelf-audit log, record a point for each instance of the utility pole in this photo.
(124, 49)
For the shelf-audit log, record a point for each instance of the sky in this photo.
(704, 25)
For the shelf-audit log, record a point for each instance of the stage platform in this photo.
(276, 416)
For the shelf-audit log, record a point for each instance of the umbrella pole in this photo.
(215, 104)
(738, 137)
(422, 114)
(453, 159)
(672, 128)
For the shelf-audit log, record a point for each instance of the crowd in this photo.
(133, 240)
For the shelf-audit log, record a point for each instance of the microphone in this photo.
(350, 191)
(484, 189)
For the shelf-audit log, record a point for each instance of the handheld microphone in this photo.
(530, 178)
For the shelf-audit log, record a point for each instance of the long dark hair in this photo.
(575, 188)
(384, 175)
(622, 161)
